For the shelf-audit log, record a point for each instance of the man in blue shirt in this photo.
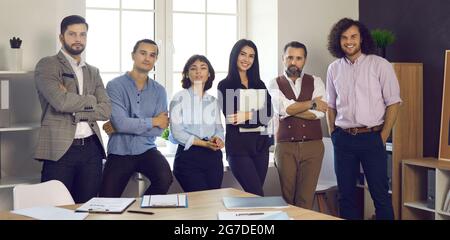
(139, 115)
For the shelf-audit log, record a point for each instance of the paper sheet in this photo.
(270, 215)
(50, 213)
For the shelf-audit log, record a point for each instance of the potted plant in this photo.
(15, 58)
(172, 147)
(382, 39)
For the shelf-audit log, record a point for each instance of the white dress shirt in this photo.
(281, 103)
(83, 129)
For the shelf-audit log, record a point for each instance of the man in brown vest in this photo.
(298, 104)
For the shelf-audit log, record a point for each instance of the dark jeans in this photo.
(369, 150)
(119, 169)
(250, 171)
(80, 169)
(198, 168)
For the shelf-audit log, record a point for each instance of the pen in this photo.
(249, 214)
(143, 212)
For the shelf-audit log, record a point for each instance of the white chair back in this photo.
(50, 193)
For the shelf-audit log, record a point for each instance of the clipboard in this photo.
(164, 201)
(106, 205)
(254, 202)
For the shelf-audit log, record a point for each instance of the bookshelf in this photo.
(18, 139)
(415, 188)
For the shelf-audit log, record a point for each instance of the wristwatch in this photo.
(314, 105)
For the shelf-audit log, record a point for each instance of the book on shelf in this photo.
(447, 202)
(431, 186)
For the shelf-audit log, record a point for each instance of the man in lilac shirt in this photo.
(363, 102)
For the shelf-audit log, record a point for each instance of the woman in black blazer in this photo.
(246, 144)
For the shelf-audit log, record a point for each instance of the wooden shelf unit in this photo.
(415, 184)
(407, 134)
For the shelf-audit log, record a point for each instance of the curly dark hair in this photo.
(334, 39)
(186, 82)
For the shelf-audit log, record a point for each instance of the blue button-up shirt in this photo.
(132, 113)
(193, 116)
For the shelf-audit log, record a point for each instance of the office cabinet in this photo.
(17, 141)
(415, 191)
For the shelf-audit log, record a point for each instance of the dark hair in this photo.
(334, 39)
(295, 44)
(70, 20)
(186, 83)
(136, 46)
(233, 71)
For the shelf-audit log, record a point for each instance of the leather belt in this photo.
(299, 140)
(357, 130)
(83, 141)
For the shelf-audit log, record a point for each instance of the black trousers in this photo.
(80, 169)
(250, 171)
(369, 150)
(198, 168)
(119, 169)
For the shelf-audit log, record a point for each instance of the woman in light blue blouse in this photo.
(195, 124)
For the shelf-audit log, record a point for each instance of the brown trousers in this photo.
(299, 165)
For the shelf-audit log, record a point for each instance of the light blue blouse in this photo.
(193, 116)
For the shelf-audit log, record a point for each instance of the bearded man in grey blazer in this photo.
(72, 98)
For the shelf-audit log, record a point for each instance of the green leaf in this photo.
(382, 38)
(165, 134)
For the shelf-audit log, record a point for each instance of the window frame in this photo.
(163, 36)
(169, 50)
(121, 9)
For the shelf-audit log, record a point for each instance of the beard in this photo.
(293, 71)
(72, 51)
(352, 53)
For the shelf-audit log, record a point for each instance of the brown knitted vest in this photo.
(293, 129)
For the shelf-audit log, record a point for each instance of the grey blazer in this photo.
(61, 110)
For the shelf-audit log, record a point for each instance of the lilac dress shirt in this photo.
(361, 91)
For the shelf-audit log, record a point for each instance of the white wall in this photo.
(273, 23)
(262, 28)
(309, 22)
(37, 24)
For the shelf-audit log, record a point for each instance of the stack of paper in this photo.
(164, 201)
(254, 202)
(272, 215)
(251, 99)
(50, 213)
(106, 205)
